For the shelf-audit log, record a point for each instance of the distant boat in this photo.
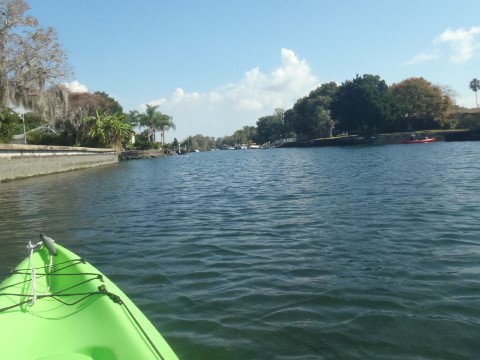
(419, 141)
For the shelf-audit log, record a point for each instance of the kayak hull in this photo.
(419, 141)
(78, 314)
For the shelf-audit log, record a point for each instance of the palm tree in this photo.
(166, 124)
(475, 86)
(151, 119)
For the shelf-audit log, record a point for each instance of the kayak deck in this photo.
(76, 313)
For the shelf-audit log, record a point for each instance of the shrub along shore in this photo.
(391, 138)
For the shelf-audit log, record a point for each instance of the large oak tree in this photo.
(311, 115)
(364, 105)
(422, 105)
(32, 62)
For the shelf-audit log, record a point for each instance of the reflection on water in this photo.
(354, 252)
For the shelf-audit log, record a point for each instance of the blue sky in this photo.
(216, 66)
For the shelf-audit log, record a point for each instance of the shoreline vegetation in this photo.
(23, 161)
(389, 138)
(342, 140)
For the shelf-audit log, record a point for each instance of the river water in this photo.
(318, 253)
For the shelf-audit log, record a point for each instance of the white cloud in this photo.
(158, 102)
(76, 87)
(230, 107)
(463, 43)
(423, 57)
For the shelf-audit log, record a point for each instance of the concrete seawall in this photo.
(22, 161)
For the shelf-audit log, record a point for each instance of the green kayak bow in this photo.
(56, 306)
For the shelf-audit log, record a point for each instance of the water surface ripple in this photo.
(331, 253)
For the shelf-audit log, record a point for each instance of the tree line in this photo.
(33, 66)
(363, 105)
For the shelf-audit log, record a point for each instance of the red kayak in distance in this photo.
(419, 141)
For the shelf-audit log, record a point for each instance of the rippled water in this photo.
(349, 252)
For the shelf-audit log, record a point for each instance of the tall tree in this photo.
(422, 105)
(31, 61)
(154, 120)
(289, 119)
(271, 128)
(165, 123)
(245, 135)
(475, 86)
(81, 105)
(133, 117)
(364, 105)
(150, 120)
(107, 104)
(311, 116)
